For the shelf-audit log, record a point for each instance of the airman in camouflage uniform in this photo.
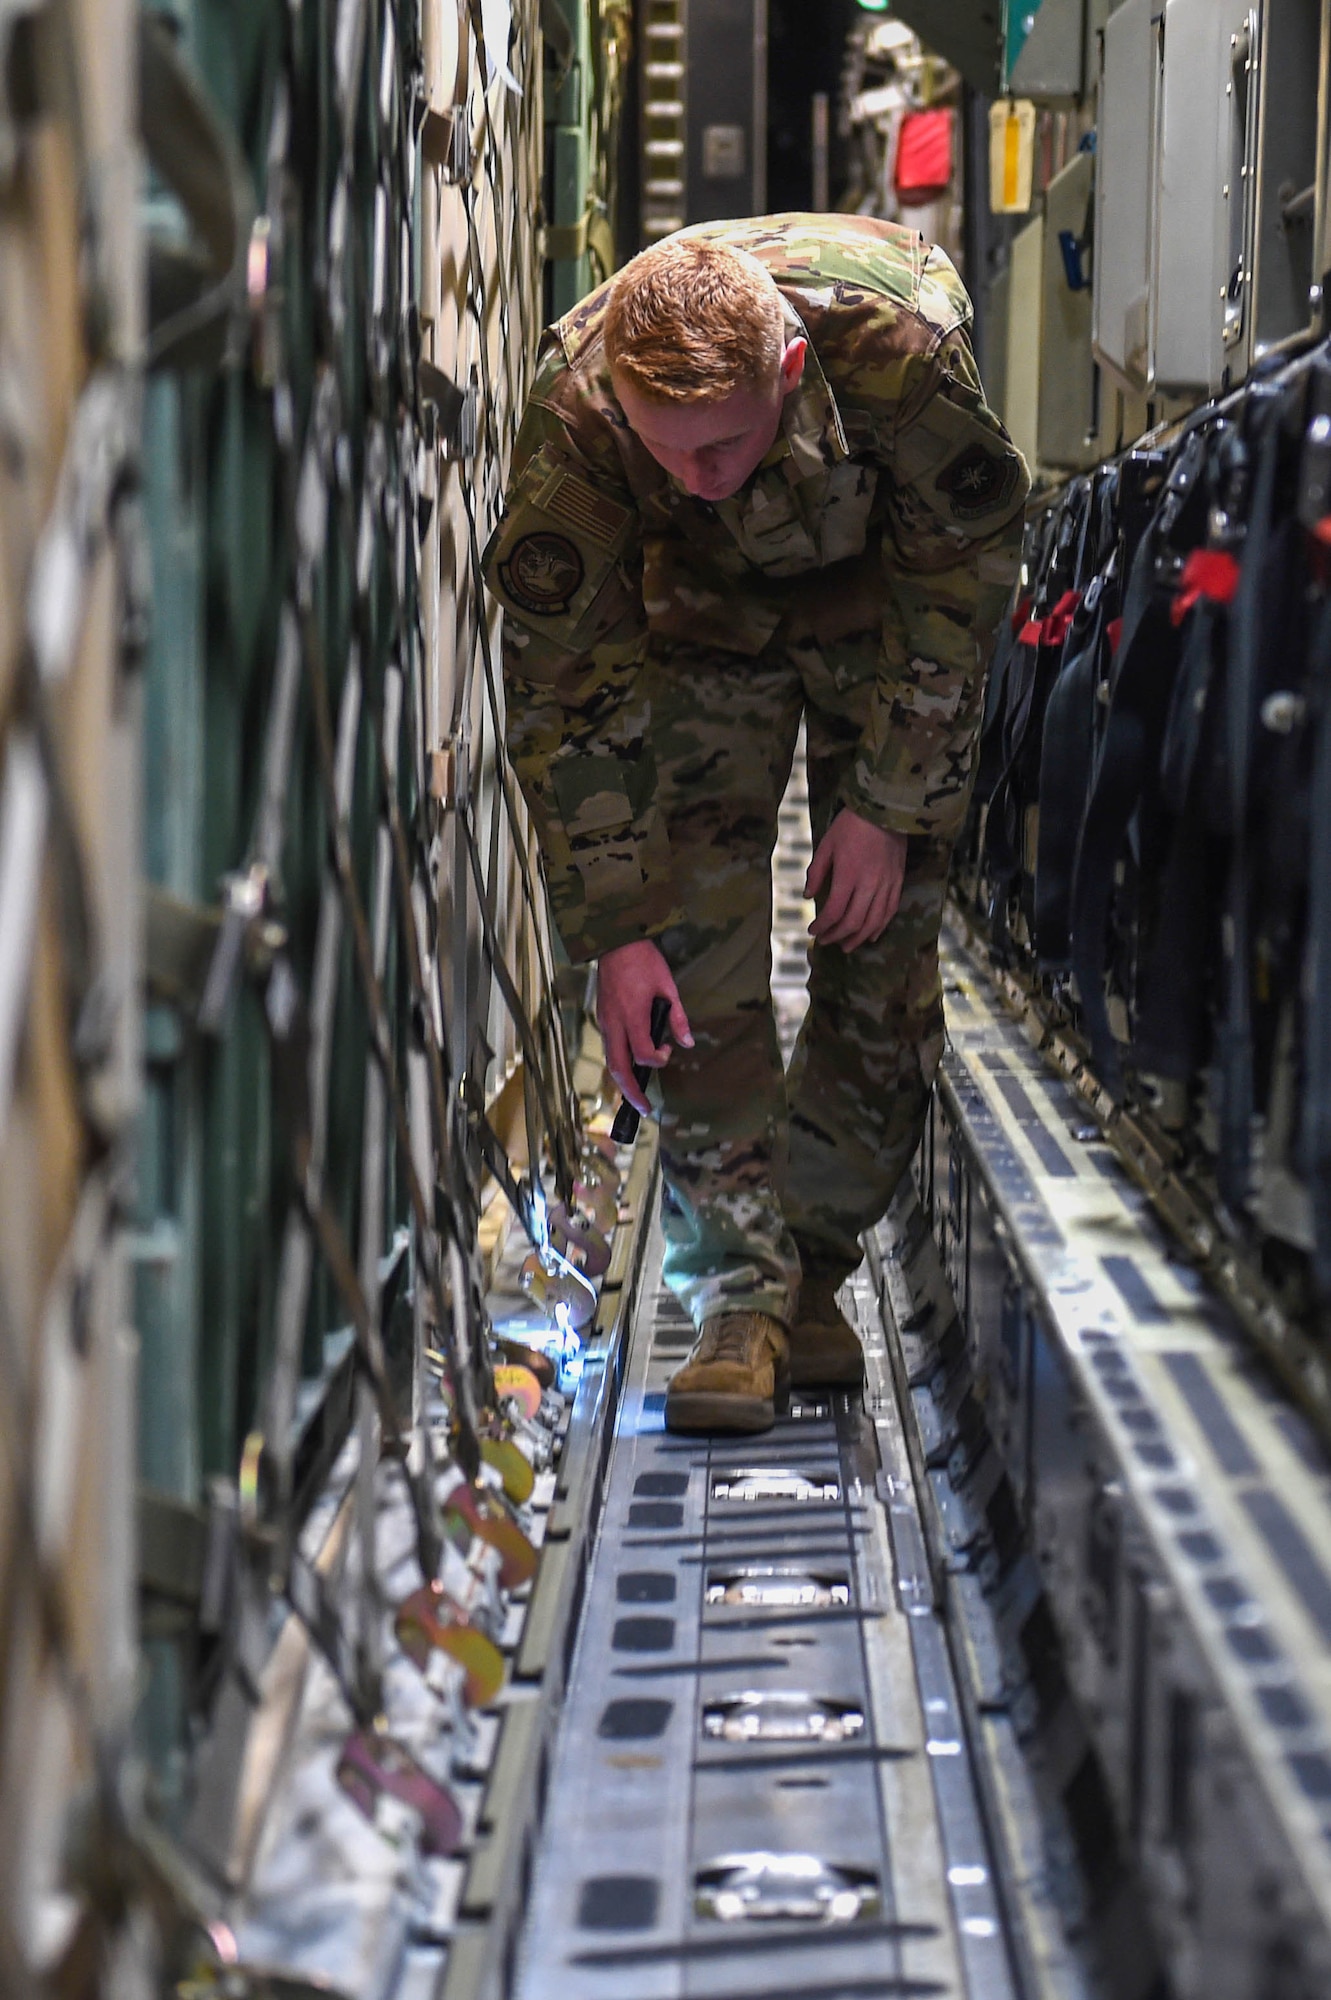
(659, 654)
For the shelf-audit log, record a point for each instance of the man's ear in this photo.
(792, 364)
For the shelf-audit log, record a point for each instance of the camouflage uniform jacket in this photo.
(892, 498)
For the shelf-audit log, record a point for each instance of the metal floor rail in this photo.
(760, 1785)
(763, 1677)
(1144, 1519)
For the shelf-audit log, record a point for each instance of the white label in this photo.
(723, 152)
(399, 1823)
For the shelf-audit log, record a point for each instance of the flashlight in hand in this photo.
(627, 1119)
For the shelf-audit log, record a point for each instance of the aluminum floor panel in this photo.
(644, 1801)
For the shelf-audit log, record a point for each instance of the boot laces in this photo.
(732, 1339)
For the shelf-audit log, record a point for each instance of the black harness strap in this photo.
(1143, 675)
(1234, 1037)
(1174, 989)
(1032, 667)
(1171, 1024)
(1315, 1148)
(1067, 749)
(1036, 552)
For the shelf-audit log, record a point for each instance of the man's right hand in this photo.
(628, 979)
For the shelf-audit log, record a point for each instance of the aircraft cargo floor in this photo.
(1007, 1677)
(760, 1785)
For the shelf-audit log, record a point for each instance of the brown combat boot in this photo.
(736, 1378)
(824, 1350)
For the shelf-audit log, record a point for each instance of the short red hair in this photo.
(691, 321)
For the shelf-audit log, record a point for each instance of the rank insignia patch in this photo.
(541, 573)
(978, 482)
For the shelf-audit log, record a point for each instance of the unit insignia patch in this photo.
(978, 482)
(541, 573)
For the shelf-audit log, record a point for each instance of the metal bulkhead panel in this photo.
(1293, 80)
(727, 110)
(1203, 252)
(1044, 49)
(994, 355)
(1321, 250)
(1025, 352)
(1068, 423)
(1125, 194)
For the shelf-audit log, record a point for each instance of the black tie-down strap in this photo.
(1007, 665)
(1314, 1146)
(1182, 893)
(1012, 750)
(1072, 720)
(1175, 792)
(1138, 691)
(1233, 1052)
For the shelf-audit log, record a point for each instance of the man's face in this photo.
(711, 448)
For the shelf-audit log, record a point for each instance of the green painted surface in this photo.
(215, 1167)
(166, 1263)
(568, 146)
(1018, 20)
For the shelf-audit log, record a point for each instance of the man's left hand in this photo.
(861, 867)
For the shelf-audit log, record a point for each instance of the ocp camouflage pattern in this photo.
(888, 513)
(760, 1166)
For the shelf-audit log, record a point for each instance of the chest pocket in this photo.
(785, 530)
(557, 559)
(847, 504)
(770, 528)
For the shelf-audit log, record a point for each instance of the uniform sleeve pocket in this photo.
(597, 795)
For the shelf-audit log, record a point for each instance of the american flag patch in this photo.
(577, 505)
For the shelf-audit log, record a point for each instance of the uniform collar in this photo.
(811, 437)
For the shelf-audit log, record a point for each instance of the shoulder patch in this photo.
(578, 504)
(541, 572)
(979, 481)
(562, 554)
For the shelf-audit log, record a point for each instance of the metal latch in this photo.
(783, 1717)
(449, 775)
(452, 414)
(763, 1585)
(446, 143)
(1073, 249)
(797, 1888)
(244, 901)
(759, 1483)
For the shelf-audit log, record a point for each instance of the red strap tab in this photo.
(923, 166)
(1212, 574)
(1114, 629)
(1052, 629)
(1060, 618)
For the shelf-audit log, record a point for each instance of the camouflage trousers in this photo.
(753, 1158)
